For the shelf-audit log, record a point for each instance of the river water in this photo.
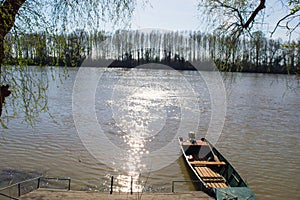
(125, 122)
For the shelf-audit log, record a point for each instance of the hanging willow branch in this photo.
(52, 17)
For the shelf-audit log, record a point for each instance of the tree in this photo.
(8, 12)
(235, 17)
(55, 16)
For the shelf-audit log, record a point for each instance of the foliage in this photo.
(62, 15)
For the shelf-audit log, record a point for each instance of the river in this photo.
(123, 123)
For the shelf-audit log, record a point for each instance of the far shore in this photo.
(162, 64)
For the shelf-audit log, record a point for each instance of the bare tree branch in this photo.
(284, 18)
(260, 7)
(233, 9)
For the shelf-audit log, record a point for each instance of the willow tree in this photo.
(51, 17)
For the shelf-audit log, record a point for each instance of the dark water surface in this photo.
(140, 112)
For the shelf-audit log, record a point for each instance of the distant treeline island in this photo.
(177, 49)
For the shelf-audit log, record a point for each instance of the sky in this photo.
(168, 14)
(184, 15)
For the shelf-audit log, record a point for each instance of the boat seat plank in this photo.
(219, 179)
(201, 173)
(217, 185)
(204, 163)
(206, 172)
(211, 173)
(211, 178)
(222, 185)
(197, 143)
(210, 184)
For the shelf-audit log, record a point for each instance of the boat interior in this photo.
(210, 165)
(205, 164)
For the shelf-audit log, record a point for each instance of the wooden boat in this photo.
(216, 175)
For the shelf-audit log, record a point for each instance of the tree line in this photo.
(245, 54)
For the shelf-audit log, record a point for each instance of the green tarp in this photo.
(235, 193)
